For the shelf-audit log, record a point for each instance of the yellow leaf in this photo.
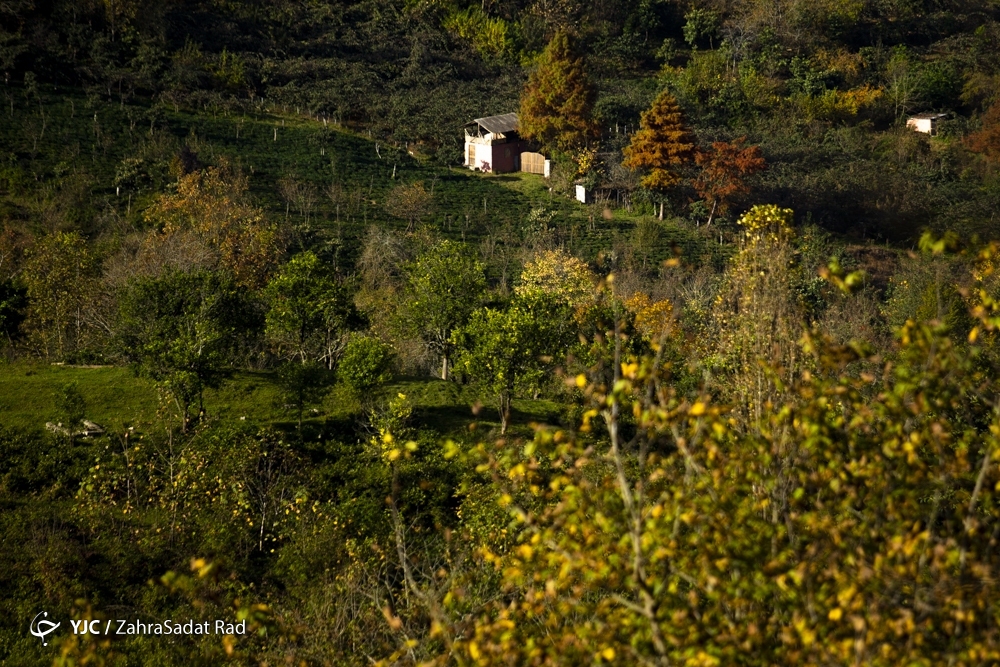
(846, 595)
(697, 409)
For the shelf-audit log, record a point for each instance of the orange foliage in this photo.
(557, 104)
(987, 140)
(215, 205)
(723, 169)
(662, 145)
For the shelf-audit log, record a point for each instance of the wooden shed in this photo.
(925, 122)
(492, 144)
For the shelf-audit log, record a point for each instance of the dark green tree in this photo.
(12, 304)
(444, 286)
(699, 25)
(70, 407)
(303, 385)
(366, 364)
(179, 329)
(309, 311)
(512, 350)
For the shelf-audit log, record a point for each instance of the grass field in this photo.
(114, 396)
(117, 399)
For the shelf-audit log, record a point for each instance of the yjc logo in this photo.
(40, 628)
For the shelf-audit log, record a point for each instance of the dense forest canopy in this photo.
(722, 387)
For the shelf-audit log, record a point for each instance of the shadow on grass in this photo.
(456, 421)
(442, 407)
(444, 418)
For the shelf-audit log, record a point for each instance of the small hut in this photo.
(926, 123)
(493, 144)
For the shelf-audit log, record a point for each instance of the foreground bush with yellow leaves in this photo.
(855, 523)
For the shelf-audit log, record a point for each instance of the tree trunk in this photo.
(661, 210)
(444, 367)
(505, 402)
(711, 215)
(302, 408)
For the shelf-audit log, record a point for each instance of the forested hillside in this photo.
(270, 353)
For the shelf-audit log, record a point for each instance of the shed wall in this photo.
(502, 158)
(478, 156)
(507, 157)
(925, 125)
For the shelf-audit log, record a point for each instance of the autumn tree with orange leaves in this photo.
(556, 108)
(723, 170)
(663, 144)
(214, 204)
(987, 140)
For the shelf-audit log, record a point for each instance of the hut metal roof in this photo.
(501, 124)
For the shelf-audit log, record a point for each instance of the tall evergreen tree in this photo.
(557, 102)
(663, 144)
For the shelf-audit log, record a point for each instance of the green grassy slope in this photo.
(67, 160)
(112, 395)
(117, 399)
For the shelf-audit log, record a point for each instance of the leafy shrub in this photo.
(367, 363)
(489, 35)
